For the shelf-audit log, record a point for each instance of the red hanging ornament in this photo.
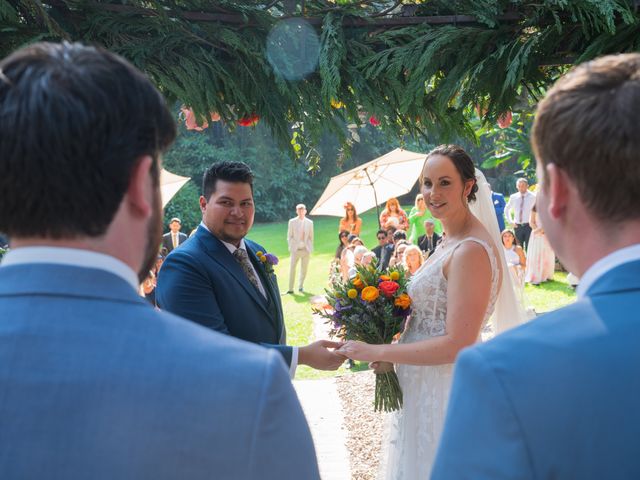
(504, 120)
(374, 121)
(249, 120)
(215, 116)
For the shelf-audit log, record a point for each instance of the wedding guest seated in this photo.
(429, 241)
(393, 215)
(335, 267)
(386, 251)
(412, 259)
(516, 260)
(350, 222)
(148, 287)
(381, 236)
(347, 258)
(358, 255)
(398, 252)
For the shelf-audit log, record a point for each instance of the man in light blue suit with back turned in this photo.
(559, 397)
(95, 383)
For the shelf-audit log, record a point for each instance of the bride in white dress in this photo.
(454, 294)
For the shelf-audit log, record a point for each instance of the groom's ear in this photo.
(559, 188)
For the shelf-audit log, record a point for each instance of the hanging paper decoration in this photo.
(504, 120)
(215, 116)
(249, 120)
(336, 103)
(374, 121)
(190, 120)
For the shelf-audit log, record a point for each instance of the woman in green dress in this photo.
(419, 213)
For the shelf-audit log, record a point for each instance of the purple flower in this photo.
(272, 259)
(338, 307)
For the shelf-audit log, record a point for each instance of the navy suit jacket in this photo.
(97, 384)
(555, 398)
(203, 282)
(167, 242)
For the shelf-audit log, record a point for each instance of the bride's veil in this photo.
(508, 311)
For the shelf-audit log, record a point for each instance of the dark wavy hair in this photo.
(234, 172)
(74, 121)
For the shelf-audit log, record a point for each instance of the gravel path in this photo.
(362, 424)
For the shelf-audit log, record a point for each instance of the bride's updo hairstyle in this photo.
(463, 164)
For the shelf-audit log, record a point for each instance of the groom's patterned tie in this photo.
(243, 259)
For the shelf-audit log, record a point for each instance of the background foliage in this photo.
(420, 68)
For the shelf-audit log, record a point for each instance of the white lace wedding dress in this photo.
(412, 434)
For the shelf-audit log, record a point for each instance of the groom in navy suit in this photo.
(94, 382)
(218, 280)
(559, 397)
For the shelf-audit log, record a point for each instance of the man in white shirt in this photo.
(558, 397)
(95, 382)
(518, 211)
(300, 241)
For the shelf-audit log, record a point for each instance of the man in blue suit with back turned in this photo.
(218, 280)
(558, 397)
(95, 383)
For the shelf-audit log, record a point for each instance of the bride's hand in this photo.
(381, 367)
(360, 351)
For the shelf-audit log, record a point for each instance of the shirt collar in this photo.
(74, 257)
(606, 264)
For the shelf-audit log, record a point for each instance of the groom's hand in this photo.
(317, 355)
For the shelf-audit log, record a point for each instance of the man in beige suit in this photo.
(300, 240)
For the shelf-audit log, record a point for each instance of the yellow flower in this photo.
(352, 293)
(395, 276)
(357, 282)
(262, 258)
(259, 253)
(403, 301)
(369, 294)
(336, 103)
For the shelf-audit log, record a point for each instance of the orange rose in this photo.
(359, 284)
(369, 294)
(388, 288)
(385, 278)
(403, 301)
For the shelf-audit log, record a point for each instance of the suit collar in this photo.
(605, 264)
(623, 278)
(65, 280)
(71, 257)
(221, 254)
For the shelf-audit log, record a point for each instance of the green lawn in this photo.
(297, 309)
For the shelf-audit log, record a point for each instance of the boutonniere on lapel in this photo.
(268, 261)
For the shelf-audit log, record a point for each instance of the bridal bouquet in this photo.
(371, 307)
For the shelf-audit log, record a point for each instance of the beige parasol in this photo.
(372, 183)
(170, 183)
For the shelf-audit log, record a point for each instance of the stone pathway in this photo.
(323, 409)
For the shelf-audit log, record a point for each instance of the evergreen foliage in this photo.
(419, 75)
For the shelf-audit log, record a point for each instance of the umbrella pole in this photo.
(375, 197)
